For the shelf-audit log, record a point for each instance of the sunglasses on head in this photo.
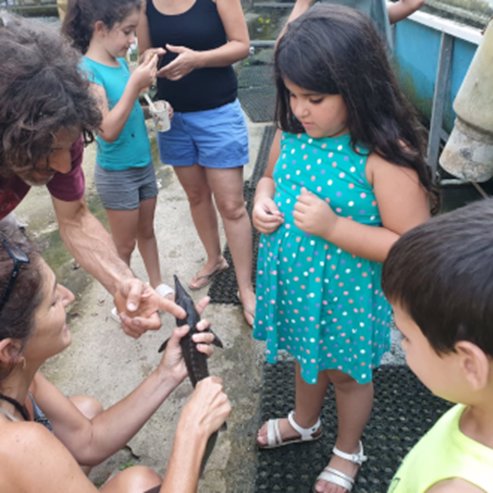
(18, 258)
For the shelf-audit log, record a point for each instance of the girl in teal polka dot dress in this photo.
(344, 180)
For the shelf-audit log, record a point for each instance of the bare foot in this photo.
(207, 273)
(247, 298)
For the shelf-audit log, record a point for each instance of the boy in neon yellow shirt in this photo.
(439, 279)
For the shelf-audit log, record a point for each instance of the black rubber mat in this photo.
(258, 102)
(262, 156)
(256, 76)
(403, 411)
(224, 287)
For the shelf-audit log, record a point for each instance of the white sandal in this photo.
(275, 439)
(334, 476)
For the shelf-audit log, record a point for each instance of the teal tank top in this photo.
(132, 148)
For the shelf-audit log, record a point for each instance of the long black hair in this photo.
(78, 24)
(332, 49)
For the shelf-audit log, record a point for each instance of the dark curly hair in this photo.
(332, 49)
(78, 24)
(42, 92)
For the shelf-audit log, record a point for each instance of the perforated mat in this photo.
(258, 102)
(403, 411)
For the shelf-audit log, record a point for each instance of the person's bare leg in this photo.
(308, 405)
(123, 226)
(227, 187)
(194, 181)
(354, 403)
(146, 241)
(134, 479)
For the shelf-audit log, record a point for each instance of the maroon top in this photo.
(68, 187)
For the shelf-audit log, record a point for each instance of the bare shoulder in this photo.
(19, 445)
(33, 459)
(379, 168)
(402, 200)
(455, 485)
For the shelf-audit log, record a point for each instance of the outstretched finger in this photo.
(202, 304)
(169, 306)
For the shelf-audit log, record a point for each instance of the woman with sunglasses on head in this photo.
(47, 440)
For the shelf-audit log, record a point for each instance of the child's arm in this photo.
(402, 203)
(266, 216)
(454, 486)
(402, 8)
(114, 120)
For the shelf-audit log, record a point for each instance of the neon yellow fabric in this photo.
(445, 453)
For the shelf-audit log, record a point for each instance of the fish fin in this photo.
(216, 341)
(162, 347)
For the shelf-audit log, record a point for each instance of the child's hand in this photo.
(171, 111)
(183, 64)
(149, 53)
(266, 216)
(144, 74)
(313, 215)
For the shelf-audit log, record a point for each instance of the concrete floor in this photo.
(104, 362)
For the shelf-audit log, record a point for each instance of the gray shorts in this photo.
(124, 190)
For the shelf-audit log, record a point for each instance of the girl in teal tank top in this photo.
(103, 31)
(345, 179)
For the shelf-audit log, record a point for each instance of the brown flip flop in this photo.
(199, 282)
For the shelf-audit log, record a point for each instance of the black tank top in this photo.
(199, 28)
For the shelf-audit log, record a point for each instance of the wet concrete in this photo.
(104, 362)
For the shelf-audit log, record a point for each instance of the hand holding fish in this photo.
(207, 408)
(201, 417)
(173, 361)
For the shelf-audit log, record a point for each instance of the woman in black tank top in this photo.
(207, 143)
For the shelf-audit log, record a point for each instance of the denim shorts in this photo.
(123, 190)
(216, 138)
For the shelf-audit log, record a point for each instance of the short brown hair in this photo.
(441, 273)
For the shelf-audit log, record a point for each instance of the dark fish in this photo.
(195, 361)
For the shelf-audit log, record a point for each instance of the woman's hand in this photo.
(207, 408)
(172, 362)
(186, 61)
(138, 306)
(313, 215)
(150, 52)
(266, 216)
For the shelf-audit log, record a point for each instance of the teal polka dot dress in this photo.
(321, 304)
